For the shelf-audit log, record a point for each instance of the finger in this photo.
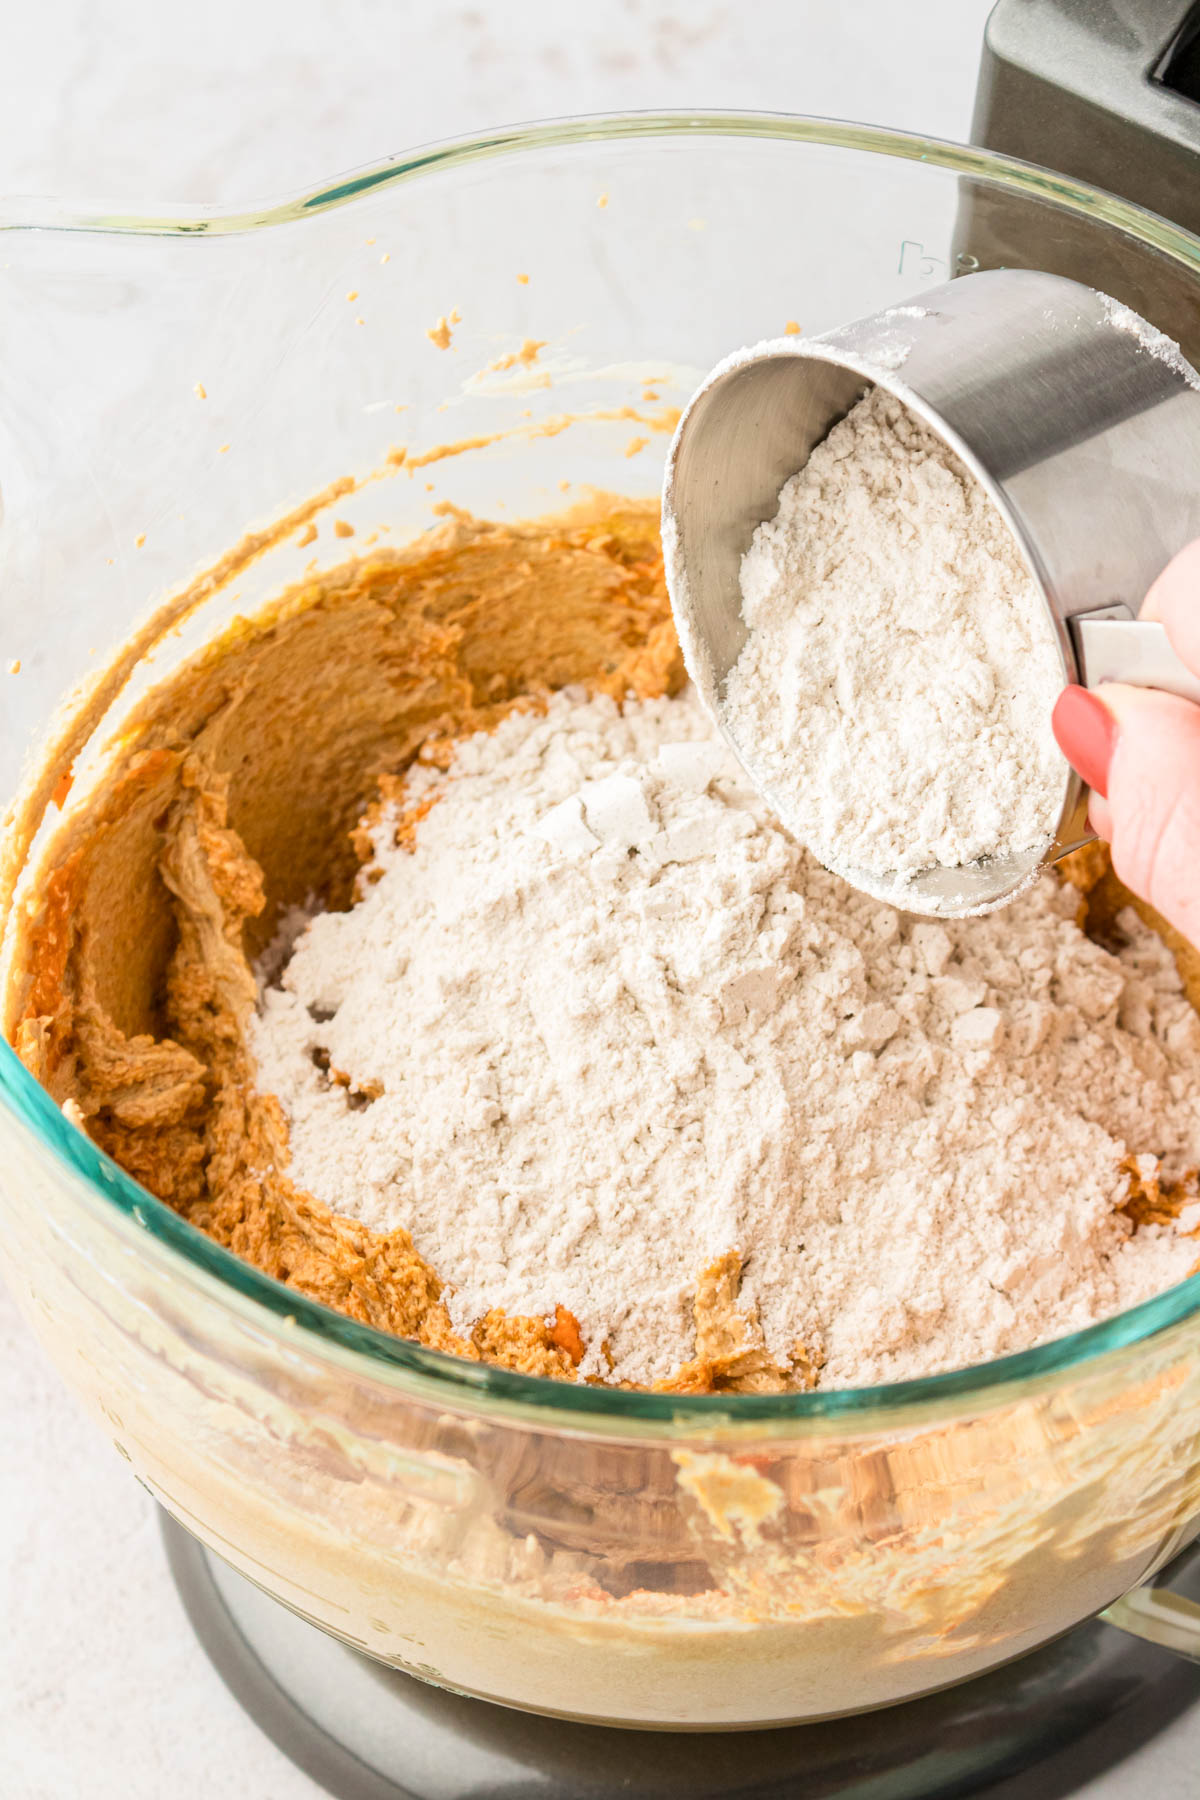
(1100, 816)
(1087, 735)
(1174, 599)
(1140, 751)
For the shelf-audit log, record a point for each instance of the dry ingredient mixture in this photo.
(603, 1075)
(896, 687)
(596, 1021)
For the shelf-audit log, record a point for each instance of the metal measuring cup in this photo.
(1080, 420)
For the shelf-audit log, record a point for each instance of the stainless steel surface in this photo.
(1087, 440)
(1136, 651)
(1046, 1726)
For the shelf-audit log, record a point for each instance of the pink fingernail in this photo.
(1087, 735)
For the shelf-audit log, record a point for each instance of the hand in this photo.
(1139, 752)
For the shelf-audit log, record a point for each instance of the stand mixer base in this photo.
(1055, 1719)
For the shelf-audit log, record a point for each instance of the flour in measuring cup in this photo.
(895, 691)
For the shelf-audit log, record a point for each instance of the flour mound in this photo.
(605, 1021)
(895, 692)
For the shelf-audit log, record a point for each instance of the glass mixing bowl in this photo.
(626, 1557)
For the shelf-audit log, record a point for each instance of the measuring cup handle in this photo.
(1114, 648)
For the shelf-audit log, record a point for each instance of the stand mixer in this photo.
(352, 1516)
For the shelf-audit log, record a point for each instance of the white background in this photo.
(103, 1691)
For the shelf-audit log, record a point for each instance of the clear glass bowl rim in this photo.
(289, 1318)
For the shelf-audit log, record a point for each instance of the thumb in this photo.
(1139, 750)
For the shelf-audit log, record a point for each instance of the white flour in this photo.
(1150, 338)
(895, 692)
(622, 1023)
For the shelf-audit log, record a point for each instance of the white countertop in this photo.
(235, 100)
(103, 1689)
